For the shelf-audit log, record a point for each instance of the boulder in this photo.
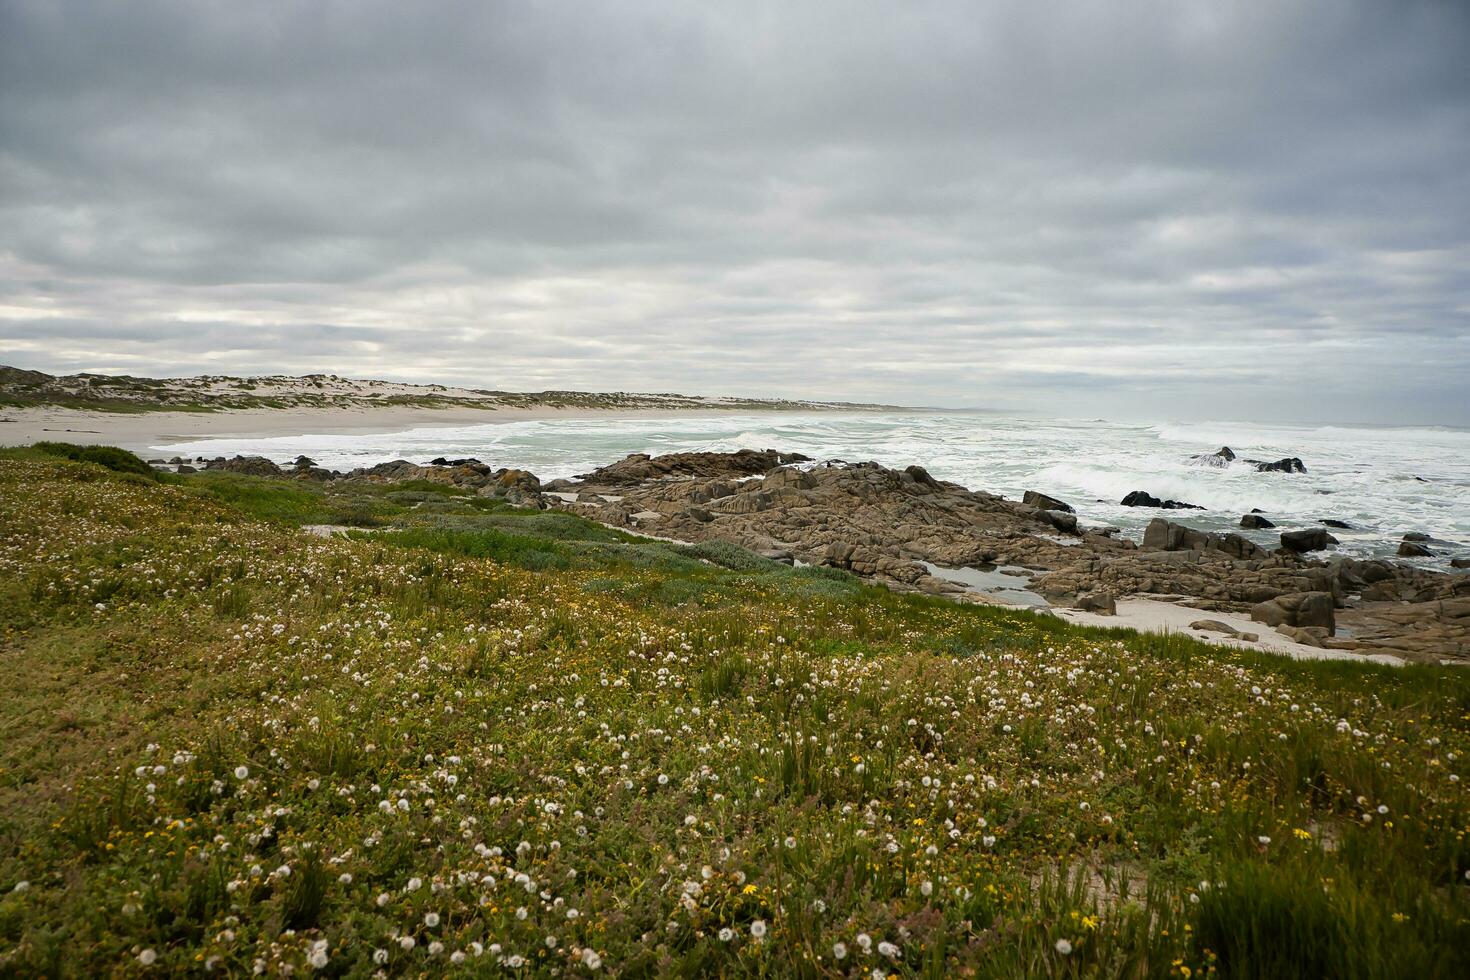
(1255, 522)
(1215, 626)
(1102, 603)
(1332, 523)
(1142, 498)
(1062, 521)
(1312, 636)
(1297, 609)
(1416, 536)
(1310, 539)
(1041, 501)
(1413, 549)
(1460, 562)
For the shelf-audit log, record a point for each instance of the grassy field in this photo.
(470, 739)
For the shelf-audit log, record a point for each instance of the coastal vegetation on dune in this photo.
(126, 394)
(463, 737)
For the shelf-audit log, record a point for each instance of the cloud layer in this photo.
(1170, 208)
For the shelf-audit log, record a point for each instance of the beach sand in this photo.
(140, 432)
(1156, 616)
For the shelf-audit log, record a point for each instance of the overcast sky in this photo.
(1162, 208)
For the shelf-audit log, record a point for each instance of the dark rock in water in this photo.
(1289, 465)
(1329, 522)
(1142, 498)
(304, 462)
(1223, 457)
(1460, 562)
(1311, 539)
(1416, 536)
(1302, 609)
(1255, 522)
(1041, 501)
(1103, 603)
(1413, 549)
(185, 468)
(246, 465)
(470, 461)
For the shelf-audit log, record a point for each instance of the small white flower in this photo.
(147, 957)
(431, 919)
(242, 772)
(1064, 947)
(406, 942)
(591, 960)
(345, 878)
(727, 934)
(380, 956)
(758, 928)
(839, 951)
(21, 887)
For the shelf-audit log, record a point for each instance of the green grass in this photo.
(109, 457)
(224, 742)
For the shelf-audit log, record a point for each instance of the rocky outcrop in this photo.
(1413, 549)
(884, 524)
(641, 467)
(245, 465)
(1255, 522)
(517, 487)
(1314, 609)
(1310, 539)
(1165, 535)
(1142, 498)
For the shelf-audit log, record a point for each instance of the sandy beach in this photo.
(141, 432)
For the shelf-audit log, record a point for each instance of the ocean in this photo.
(1383, 481)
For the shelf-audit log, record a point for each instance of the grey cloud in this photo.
(1149, 207)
